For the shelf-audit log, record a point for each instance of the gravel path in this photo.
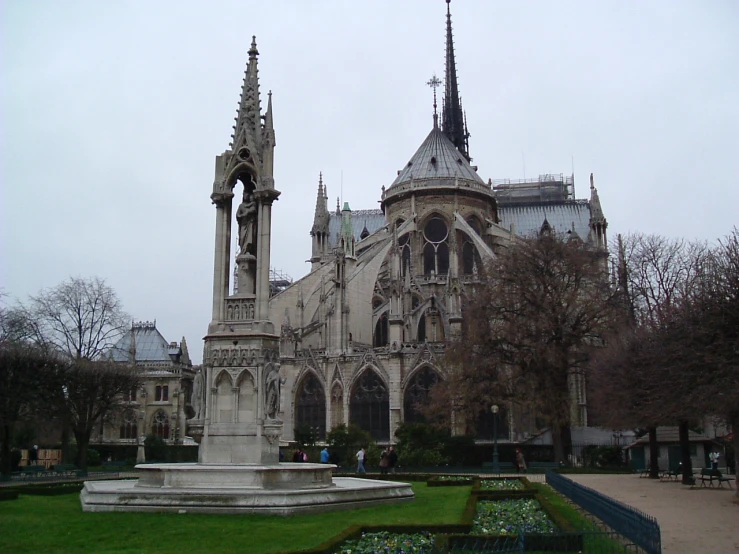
(692, 520)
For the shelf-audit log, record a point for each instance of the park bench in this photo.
(710, 475)
(32, 470)
(503, 466)
(670, 474)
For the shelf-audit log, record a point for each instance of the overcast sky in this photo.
(112, 113)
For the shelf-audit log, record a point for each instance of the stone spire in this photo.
(248, 124)
(598, 223)
(319, 231)
(453, 121)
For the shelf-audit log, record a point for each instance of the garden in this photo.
(442, 518)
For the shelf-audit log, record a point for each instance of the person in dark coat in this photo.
(392, 459)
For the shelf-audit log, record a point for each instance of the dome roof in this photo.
(437, 158)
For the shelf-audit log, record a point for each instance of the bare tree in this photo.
(677, 361)
(82, 318)
(90, 393)
(22, 369)
(528, 331)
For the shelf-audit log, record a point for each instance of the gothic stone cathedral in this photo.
(361, 335)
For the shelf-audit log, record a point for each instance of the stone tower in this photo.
(242, 384)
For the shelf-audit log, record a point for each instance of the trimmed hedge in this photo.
(8, 494)
(452, 536)
(47, 489)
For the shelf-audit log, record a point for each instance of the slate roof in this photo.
(437, 158)
(528, 218)
(670, 435)
(373, 219)
(150, 345)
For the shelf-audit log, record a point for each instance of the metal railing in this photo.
(640, 528)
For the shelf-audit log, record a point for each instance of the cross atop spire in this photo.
(453, 124)
(433, 83)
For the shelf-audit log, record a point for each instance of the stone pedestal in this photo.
(281, 489)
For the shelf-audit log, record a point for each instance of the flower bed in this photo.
(504, 517)
(391, 543)
(501, 484)
(450, 481)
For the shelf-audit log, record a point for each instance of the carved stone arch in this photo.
(369, 402)
(241, 168)
(223, 397)
(220, 375)
(416, 389)
(422, 311)
(422, 362)
(369, 359)
(337, 375)
(429, 214)
(247, 400)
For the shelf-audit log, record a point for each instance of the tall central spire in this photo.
(453, 120)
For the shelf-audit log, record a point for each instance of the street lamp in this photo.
(496, 463)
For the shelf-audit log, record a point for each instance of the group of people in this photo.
(388, 460)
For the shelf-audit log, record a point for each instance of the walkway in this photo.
(692, 520)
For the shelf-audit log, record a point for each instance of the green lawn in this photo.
(57, 524)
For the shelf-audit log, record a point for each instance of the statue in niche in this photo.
(196, 400)
(272, 391)
(246, 216)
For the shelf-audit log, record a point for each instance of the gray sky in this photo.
(112, 113)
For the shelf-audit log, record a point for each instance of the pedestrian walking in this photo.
(520, 461)
(384, 462)
(361, 457)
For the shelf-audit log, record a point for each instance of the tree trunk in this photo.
(653, 453)
(65, 444)
(687, 464)
(83, 440)
(5, 468)
(557, 443)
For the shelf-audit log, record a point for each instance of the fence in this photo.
(597, 542)
(638, 527)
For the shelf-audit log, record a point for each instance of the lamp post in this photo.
(496, 462)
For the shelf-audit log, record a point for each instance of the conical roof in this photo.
(437, 158)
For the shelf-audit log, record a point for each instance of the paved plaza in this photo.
(692, 519)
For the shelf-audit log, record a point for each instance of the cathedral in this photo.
(361, 336)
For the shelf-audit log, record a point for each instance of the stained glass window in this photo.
(369, 406)
(417, 393)
(310, 406)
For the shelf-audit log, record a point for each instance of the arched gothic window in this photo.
(417, 394)
(129, 427)
(404, 243)
(310, 406)
(160, 425)
(369, 406)
(436, 248)
(422, 329)
(381, 331)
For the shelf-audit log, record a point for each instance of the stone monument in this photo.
(238, 404)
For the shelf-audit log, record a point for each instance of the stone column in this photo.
(221, 254)
(265, 197)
